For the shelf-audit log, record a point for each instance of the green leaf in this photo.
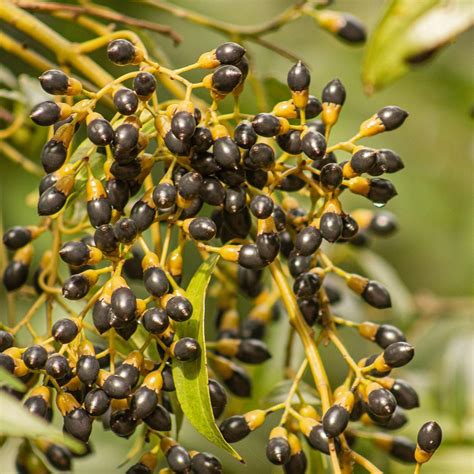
(9, 380)
(409, 30)
(276, 91)
(17, 421)
(191, 378)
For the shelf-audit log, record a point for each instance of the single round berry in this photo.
(334, 93)
(186, 349)
(331, 226)
(121, 52)
(234, 429)
(125, 101)
(64, 330)
(262, 206)
(226, 78)
(430, 437)
(244, 135)
(202, 229)
(155, 320)
(75, 253)
(144, 84)
(250, 258)
(87, 369)
(218, 397)
(308, 241)
(54, 82)
(100, 132)
(392, 117)
(159, 419)
(16, 237)
(376, 295)
(179, 308)
(226, 152)
(35, 357)
(57, 366)
(53, 155)
(125, 230)
(46, 113)
(124, 303)
(306, 285)
(183, 125)
(116, 387)
(313, 145)
(229, 53)
(266, 125)
(164, 195)
(331, 176)
(387, 334)
(298, 78)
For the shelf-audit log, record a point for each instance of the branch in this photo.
(99, 12)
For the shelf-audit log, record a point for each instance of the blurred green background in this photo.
(431, 254)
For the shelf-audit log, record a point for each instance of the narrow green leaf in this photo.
(18, 422)
(410, 30)
(9, 380)
(191, 378)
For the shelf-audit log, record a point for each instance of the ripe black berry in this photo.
(100, 132)
(430, 436)
(334, 93)
(405, 394)
(202, 228)
(262, 206)
(313, 145)
(179, 308)
(87, 369)
(121, 51)
(229, 53)
(266, 125)
(376, 295)
(116, 387)
(57, 366)
(124, 303)
(122, 423)
(298, 78)
(125, 101)
(387, 334)
(392, 117)
(159, 419)
(226, 78)
(331, 226)
(234, 429)
(35, 357)
(54, 82)
(155, 320)
(226, 152)
(306, 285)
(308, 241)
(335, 421)
(186, 349)
(53, 155)
(164, 195)
(125, 230)
(244, 135)
(331, 176)
(249, 257)
(218, 397)
(398, 354)
(205, 463)
(144, 84)
(46, 113)
(64, 330)
(183, 125)
(143, 403)
(76, 287)
(17, 237)
(260, 156)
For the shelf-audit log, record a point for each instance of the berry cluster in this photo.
(222, 183)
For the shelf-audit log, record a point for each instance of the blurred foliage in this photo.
(432, 254)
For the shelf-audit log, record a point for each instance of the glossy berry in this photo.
(15, 275)
(76, 287)
(59, 457)
(143, 403)
(335, 421)
(116, 387)
(278, 451)
(57, 366)
(159, 419)
(393, 162)
(164, 195)
(226, 152)
(124, 303)
(331, 176)
(318, 439)
(78, 424)
(298, 78)
(430, 437)
(37, 405)
(201, 139)
(35, 357)
(306, 285)
(6, 340)
(75, 253)
(51, 201)
(262, 206)
(392, 117)
(398, 354)
(308, 241)
(212, 191)
(179, 308)
(64, 330)
(387, 334)
(229, 53)
(122, 423)
(261, 156)
(104, 238)
(362, 160)
(156, 281)
(186, 349)
(405, 394)
(290, 142)
(183, 125)
(100, 132)
(87, 369)
(16, 237)
(125, 138)
(381, 402)
(376, 295)
(121, 52)
(383, 224)
(202, 229)
(313, 145)
(244, 135)
(331, 226)
(155, 320)
(178, 459)
(46, 113)
(234, 429)
(189, 185)
(205, 463)
(226, 78)
(125, 101)
(334, 93)
(266, 125)
(249, 257)
(54, 82)
(125, 230)
(144, 84)
(53, 155)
